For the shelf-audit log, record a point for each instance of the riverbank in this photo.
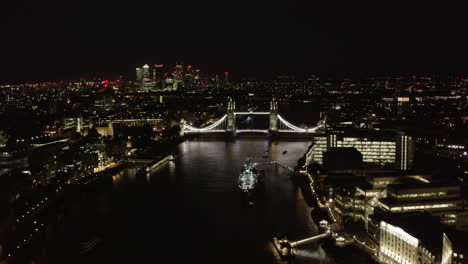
(38, 230)
(308, 184)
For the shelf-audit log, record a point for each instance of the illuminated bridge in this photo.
(227, 123)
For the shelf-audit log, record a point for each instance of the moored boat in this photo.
(248, 177)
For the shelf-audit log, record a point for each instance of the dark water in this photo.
(191, 210)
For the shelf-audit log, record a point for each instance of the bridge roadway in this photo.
(251, 113)
(240, 131)
(264, 131)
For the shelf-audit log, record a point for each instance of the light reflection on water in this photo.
(206, 211)
(317, 255)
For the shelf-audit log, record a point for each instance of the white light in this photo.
(400, 232)
(191, 128)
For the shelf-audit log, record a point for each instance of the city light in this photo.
(378, 162)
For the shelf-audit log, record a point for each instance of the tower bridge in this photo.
(227, 123)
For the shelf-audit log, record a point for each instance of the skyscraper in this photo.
(138, 75)
(145, 73)
(143, 78)
(405, 150)
(158, 76)
(178, 76)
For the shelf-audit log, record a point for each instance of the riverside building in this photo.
(386, 149)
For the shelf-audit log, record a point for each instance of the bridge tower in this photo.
(231, 118)
(273, 115)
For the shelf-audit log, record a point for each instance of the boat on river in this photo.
(248, 177)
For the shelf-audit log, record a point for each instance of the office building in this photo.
(138, 75)
(444, 202)
(356, 201)
(73, 123)
(399, 246)
(378, 148)
(178, 76)
(402, 238)
(342, 159)
(158, 76)
(349, 204)
(143, 78)
(454, 248)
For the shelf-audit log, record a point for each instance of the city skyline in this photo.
(234, 132)
(365, 161)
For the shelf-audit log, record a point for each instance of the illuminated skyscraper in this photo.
(178, 76)
(158, 76)
(405, 151)
(145, 72)
(189, 77)
(138, 75)
(169, 82)
(143, 78)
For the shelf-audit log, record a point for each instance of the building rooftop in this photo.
(417, 224)
(393, 173)
(370, 133)
(340, 179)
(410, 183)
(398, 202)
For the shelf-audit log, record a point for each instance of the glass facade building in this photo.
(383, 151)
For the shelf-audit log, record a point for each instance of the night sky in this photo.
(44, 40)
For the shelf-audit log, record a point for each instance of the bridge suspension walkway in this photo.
(227, 123)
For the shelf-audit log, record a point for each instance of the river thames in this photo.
(191, 211)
